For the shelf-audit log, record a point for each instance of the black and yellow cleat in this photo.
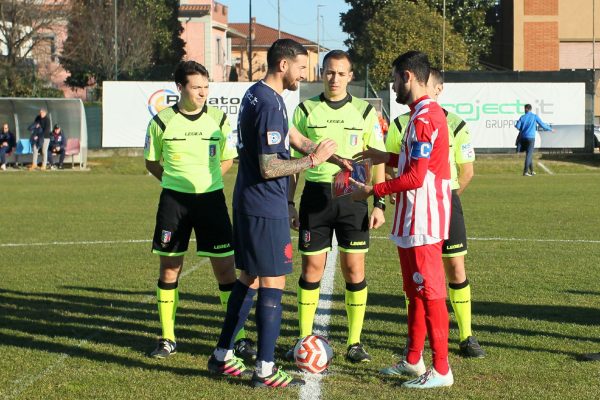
(471, 348)
(245, 349)
(164, 349)
(357, 353)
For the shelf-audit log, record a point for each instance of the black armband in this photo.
(379, 202)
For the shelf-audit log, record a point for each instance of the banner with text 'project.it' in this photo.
(491, 110)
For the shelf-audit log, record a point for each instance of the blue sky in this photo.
(298, 17)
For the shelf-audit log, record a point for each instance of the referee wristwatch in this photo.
(379, 202)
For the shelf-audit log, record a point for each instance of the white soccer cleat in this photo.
(405, 368)
(430, 379)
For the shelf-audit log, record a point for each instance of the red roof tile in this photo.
(264, 36)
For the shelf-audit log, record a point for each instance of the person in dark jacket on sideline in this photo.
(58, 144)
(7, 143)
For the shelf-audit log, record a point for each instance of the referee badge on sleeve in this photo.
(273, 138)
(212, 150)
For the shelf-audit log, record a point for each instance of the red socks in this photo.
(436, 317)
(416, 329)
(428, 317)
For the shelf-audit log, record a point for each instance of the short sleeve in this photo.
(463, 148)
(299, 122)
(229, 142)
(394, 138)
(373, 135)
(153, 142)
(272, 129)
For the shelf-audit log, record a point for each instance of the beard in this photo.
(402, 96)
(289, 83)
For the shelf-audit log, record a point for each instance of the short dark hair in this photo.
(436, 74)
(415, 62)
(337, 55)
(187, 68)
(283, 48)
(527, 107)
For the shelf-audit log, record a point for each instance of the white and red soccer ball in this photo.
(313, 354)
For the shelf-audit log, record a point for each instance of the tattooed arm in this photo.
(273, 167)
(306, 146)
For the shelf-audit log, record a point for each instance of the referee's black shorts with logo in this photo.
(456, 245)
(321, 215)
(205, 213)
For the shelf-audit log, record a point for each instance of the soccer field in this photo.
(78, 312)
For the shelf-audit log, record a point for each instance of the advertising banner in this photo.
(128, 107)
(491, 110)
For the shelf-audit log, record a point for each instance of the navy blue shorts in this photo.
(263, 246)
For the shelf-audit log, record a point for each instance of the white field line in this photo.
(312, 389)
(102, 242)
(22, 384)
(27, 381)
(542, 166)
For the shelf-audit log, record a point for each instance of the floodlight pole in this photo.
(116, 45)
(318, 75)
(278, 20)
(250, 43)
(444, 35)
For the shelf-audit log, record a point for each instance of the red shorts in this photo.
(423, 271)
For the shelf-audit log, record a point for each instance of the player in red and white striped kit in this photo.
(421, 220)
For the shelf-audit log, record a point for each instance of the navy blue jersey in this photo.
(262, 129)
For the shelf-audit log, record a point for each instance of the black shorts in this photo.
(320, 216)
(263, 246)
(179, 213)
(456, 245)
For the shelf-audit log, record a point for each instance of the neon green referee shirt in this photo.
(352, 123)
(461, 148)
(191, 147)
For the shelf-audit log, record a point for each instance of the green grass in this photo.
(76, 320)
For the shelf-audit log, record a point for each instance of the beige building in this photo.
(263, 37)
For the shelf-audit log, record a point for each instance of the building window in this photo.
(219, 52)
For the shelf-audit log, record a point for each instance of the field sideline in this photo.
(78, 312)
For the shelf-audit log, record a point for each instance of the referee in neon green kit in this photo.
(353, 124)
(196, 146)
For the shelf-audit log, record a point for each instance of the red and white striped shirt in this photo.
(423, 198)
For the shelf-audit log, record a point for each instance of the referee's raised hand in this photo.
(324, 150)
(376, 156)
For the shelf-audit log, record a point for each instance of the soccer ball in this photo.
(313, 354)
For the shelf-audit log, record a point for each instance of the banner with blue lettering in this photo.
(491, 110)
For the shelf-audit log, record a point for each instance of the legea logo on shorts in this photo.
(161, 99)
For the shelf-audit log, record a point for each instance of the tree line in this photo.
(148, 41)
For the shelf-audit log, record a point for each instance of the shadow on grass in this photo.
(107, 318)
(590, 160)
(583, 292)
(58, 348)
(552, 313)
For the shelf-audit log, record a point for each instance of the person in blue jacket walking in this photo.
(527, 125)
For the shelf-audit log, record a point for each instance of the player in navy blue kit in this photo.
(263, 247)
